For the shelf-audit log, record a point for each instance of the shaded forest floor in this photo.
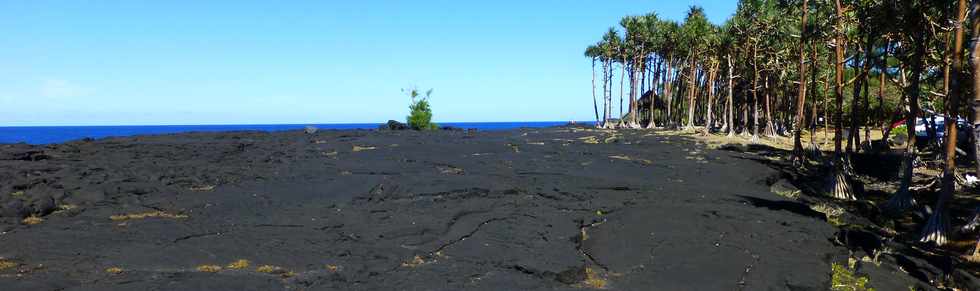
(873, 236)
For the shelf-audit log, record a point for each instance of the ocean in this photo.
(59, 134)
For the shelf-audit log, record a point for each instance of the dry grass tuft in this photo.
(593, 280)
(358, 148)
(208, 268)
(589, 139)
(67, 207)
(202, 188)
(450, 170)
(415, 262)
(628, 158)
(144, 215)
(844, 279)
(268, 269)
(114, 270)
(32, 220)
(834, 213)
(611, 139)
(275, 270)
(239, 264)
(7, 264)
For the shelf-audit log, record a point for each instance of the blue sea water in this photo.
(58, 134)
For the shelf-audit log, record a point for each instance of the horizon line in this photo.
(281, 124)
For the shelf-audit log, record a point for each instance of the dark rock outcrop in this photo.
(393, 125)
(309, 129)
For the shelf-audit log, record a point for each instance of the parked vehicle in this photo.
(932, 128)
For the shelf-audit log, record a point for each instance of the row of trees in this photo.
(782, 67)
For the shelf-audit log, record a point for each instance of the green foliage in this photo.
(420, 113)
(697, 32)
(843, 279)
(900, 131)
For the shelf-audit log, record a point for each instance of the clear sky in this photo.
(132, 62)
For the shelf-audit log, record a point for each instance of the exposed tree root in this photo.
(838, 187)
(961, 181)
(769, 130)
(903, 199)
(813, 152)
(651, 125)
(799, 157)
(975, 257)
(900, 202)
(973, 222)
(932, 184)
(846, 165)
(937, 229)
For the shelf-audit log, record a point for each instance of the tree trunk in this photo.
(825, 98)
(839, 186)
(886, 125)
(608, 88)
(708, 126)
(643, 83)
(838, 82)
(755, 95)
(622, 81)
(903, 199)
(668, 85)
(731, 106)
(633, 89)
(770, 130)
(653, 94)
(865, 108)
(854, 136)
(595, 103)
(813, 101)
(691, 93)
(975, 59)
(798, 156)
(604, 103)
(605, 94)
(745, 110)
(632, 97)
(937, 228)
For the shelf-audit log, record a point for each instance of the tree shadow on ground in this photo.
(784, 205)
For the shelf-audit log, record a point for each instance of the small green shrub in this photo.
(843, 279)
(900, 131)
(420, 114)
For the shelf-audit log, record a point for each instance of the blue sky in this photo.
(259, 62)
